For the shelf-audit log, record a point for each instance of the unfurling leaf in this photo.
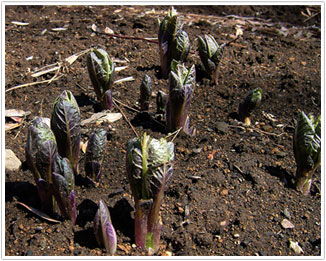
(64, 187)
(307, 150)
(103, 229)
(181, 87)
(101, 71)
(149, 169)
(174, 43)
(95, 154)
(40, 150)
(161, 100)
(145, 93)
(210, 53)
(65, 124)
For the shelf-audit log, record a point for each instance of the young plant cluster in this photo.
(53, 154)
(53, 150)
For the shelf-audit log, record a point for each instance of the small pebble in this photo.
(197, 150)
(296, 248)
(286, 213)
(286, 223)
(38, 229)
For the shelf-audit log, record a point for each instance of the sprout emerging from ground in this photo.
(101, 71)
(161, 100)
(40, 151)
(145, 93)
(108, 100)
(210, 53)
(64, 187)
(95, 154)
(181, 87)
(65, 124)
(249, 104)
(174, 43)
(149, 169)
(307, 150)
(103, 229)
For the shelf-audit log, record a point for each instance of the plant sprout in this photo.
(40, 151)
(145, 93)
(174, 43)
(65, 124)
(64, 187)
(95, 154)
(307, 150)
(149, 169)
(161, 100)
(249, 104)
(210, 53)
(101, 71)
(103, 229)
(181, 87)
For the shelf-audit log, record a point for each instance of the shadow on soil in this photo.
(282, 174)
(22, 191)
(120, 217)
(147, 121)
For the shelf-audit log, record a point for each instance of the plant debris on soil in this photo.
(233, 187)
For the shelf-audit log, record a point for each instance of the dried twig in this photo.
(56, 66)
(125, 117)
(175, 133)
(310, 17)
(257, 130)
(38, 213)
(32, 83)
(125, 105)
(128, 37)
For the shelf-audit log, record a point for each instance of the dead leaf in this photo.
(16, 113)
(102, 117)
(38, 213)
(127, 79)
(10, 126)
(83, 146)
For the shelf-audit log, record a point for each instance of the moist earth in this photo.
(232, 185)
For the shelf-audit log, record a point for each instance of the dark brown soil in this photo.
(236, 182)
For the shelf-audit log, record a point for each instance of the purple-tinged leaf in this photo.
(65, 124)
(173, 41)
(38, 213)
(108, 100)
(40, 149)
(46, 197)
(103, 229)
(181, 86)
(95, 152)
(101, 70)
(145, 93)
(161, 100)
(149, 170)
(93, 170)
(63, 187)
